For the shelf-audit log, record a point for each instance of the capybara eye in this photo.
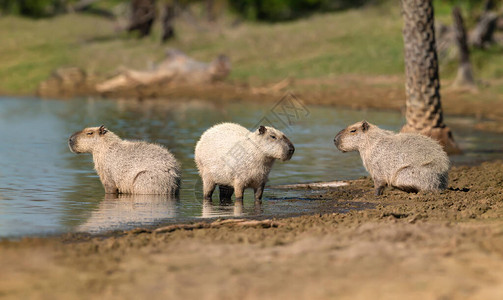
(354, 130)
(273, 137)
(90, 133)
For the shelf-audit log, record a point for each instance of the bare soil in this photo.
(446, 245)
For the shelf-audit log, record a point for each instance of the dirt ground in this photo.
(445, 245)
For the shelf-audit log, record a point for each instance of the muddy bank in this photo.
(447, 245)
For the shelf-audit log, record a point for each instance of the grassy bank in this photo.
(363, 42)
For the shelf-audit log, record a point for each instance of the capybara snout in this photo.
(337, 140)
(291, 148)
(71, 142)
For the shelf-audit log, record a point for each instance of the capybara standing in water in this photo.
(128, 167)
(235, 158)
(407, 161)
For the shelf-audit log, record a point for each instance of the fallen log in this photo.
(176, 68)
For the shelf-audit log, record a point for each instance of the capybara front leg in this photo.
(239, 191)
(208, 188)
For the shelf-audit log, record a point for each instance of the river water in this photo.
(46, 189)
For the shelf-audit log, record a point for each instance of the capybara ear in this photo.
(261, 129)
(102, 130)
(365, 126)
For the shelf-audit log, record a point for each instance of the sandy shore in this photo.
(445, 245)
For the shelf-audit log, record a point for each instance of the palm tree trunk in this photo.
(424, 108)
(168, 21)
(142, 16)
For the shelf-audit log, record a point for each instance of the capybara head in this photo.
(350, 138)
(273, 143)
(85, 141)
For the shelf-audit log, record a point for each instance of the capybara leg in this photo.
(379, 187)
(239, 191)
(258, 207)
(208, 188)
(238, 207)
(258, 192)
(225, 192)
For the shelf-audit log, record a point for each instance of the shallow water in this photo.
(45, 189)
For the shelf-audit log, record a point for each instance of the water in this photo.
(46, 189)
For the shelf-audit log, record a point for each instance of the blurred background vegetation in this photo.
(266, 40)
(256, 10)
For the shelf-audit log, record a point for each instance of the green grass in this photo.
(364, 42)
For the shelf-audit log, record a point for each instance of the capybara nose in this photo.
(291, 149)
(337, 139)
(71, 142)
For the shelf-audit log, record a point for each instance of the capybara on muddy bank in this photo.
(235, 158)
(407, 161)
(128, 167)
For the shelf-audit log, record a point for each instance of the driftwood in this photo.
(176, 68)
(312, 185)
(272, 89)
(222, 223)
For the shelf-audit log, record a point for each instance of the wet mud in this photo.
(446, 245)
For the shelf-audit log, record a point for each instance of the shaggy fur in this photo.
(234, 158)
(128, 167)
(407, 161)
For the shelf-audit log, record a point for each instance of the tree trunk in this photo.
(464, 78)
(424, 109)
(168, 19)
(210, 10)
(142, 16)
(488, 5)
(483, 33)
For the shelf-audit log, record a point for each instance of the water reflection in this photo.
(128, 211)
(229, 208)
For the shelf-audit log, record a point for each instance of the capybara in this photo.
(231, 156)
(128, 167)
(408, 161)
